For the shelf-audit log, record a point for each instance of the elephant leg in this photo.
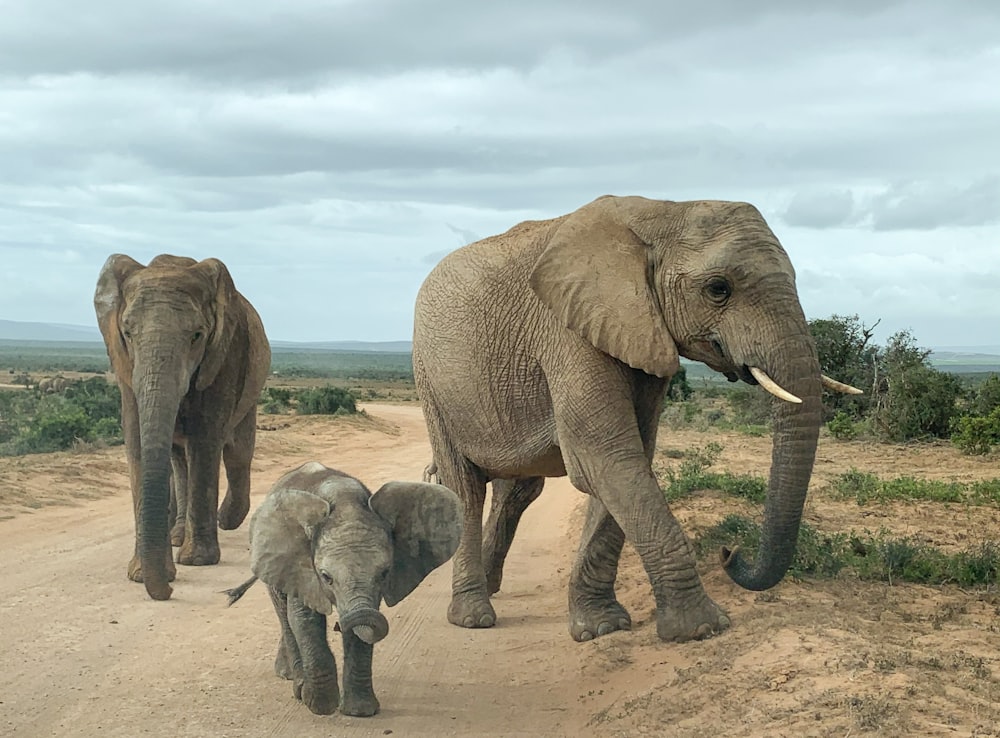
(179, 493)
(593, 608)
(236, 456)
(288, 661)
(614, 467)
(130, 430)
(510, 499)
(201, 540)
(470, 602)
(319, 689)
(358, 695)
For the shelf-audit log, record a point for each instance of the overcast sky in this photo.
(331, 152)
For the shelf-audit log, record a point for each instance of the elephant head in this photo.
(167, 331)
(322, 537)
(649, 281)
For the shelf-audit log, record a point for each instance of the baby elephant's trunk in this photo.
(368, 624)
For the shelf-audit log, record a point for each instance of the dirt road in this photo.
(86, 653)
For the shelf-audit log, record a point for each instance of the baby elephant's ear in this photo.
(426, 521)
(281, 532)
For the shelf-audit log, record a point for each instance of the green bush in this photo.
(919, 402)
(843, 427)
(326, 401)
(751, 406)
(692, 475)
(678, 389)
(88, 411)
(985, 398)
(274, 400)
(977, 434)
(913, 400)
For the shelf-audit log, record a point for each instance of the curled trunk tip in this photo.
(746, 575)
(368, 624)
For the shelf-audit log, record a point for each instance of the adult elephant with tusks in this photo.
(546, 351)
(190, 356)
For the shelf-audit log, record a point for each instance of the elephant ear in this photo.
(426, 522)
(223, 308)
(595, 274)
(108, 306)
(281, 534)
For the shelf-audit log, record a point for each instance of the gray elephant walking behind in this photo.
(321, 540)
(191, 357)
(546, 351)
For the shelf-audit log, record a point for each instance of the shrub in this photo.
(977, 434)
(913, 400)
(692, 475)
(274, 400)
(89, 410)
(843, 427)
(678, 390)
(57, 426)
(326, 401)
(751, 406)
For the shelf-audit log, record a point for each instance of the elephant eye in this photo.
(196, 337)
(719, 290)
(326, 577)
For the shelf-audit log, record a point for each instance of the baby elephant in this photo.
(320, 539)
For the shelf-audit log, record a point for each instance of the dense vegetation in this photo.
(88, 411)
(905, 397)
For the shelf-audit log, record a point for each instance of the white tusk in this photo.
(771, 386)
(835, 386)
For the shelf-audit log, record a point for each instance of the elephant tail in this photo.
(431, 473)
(237, 592)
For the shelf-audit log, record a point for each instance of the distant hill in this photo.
(382, 347)
(15, 330)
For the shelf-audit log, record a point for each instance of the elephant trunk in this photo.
(796, 431)
(367, 623)
(158, 395)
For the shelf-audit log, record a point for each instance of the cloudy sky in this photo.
(330, 152)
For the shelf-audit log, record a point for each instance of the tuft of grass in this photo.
(693, 475)
(865, 487)
(871, 556)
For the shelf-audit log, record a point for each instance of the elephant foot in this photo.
(469, 611)
(363, 705)
(321, 699)
(198, 553)
(232, 514)
(177, 535)
(135, 569)
(590, 618)
(691, 623)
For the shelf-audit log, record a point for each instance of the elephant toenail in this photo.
(469, 622)
(605, 628)
(704, 631)
(586, 636)
(486, 621)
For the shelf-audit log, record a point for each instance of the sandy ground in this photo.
(85, 653)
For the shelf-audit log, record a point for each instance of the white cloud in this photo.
(329, 152)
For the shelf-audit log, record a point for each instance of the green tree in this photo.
(912, 399)
(846, 353)
(679, 389)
